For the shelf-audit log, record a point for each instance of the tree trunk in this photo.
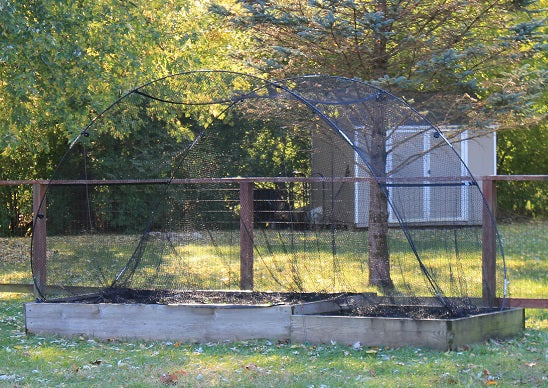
(379, 257)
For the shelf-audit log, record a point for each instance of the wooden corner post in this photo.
(489, 243)
(246, 235)
(39, 237)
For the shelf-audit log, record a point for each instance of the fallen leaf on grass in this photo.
(490, 379)
(169, 378)
(177, 344)
(75, 368)
(251, 366)
(531, 364)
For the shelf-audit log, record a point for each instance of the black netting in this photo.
(324, 184)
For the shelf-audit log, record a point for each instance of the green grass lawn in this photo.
(526, 252)
(40, 361)
(284, 261)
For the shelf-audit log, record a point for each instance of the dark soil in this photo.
(249, 298)
(414, 312)
(125, 295)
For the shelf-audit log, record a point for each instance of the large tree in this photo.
(464, 55)
(62, 62)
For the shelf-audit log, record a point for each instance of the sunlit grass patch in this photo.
(16, 277)
(15, 260)
(305, 260)
(526, 251)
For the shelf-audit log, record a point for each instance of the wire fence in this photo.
(522, 219)
(520, 204)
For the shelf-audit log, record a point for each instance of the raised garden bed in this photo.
(238, 315)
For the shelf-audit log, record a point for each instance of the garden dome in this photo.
(217, 180)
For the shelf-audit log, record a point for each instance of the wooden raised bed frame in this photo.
(302, 323)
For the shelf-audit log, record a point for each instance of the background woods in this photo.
(477, 63)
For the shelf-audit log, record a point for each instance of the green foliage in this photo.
(135, 140)
(256, 147)
(523, 152)
(15, 214)
(63, 62)
(462, 54)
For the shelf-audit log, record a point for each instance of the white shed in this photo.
(478, 152)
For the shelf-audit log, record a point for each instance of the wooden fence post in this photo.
(246, 235)
(489, 243)
(39, 237)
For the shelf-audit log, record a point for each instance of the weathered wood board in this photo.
(192, 323)
(443, 334)
(300, 323)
